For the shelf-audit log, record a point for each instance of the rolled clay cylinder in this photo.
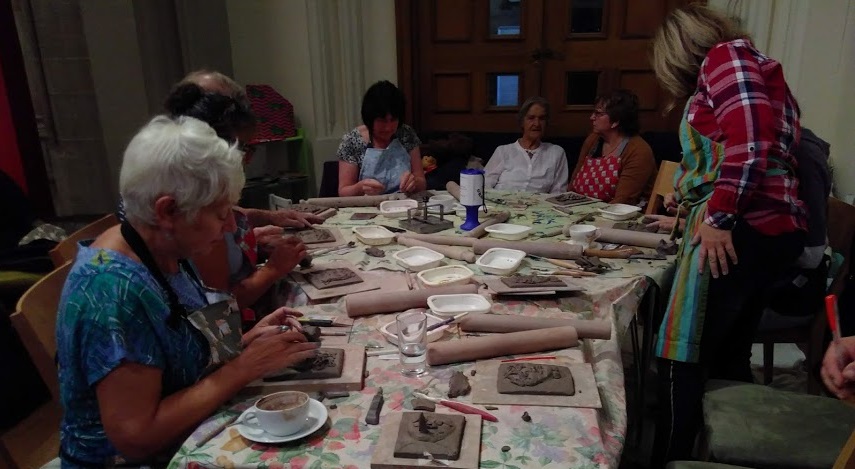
(481, 230)
(586, 329)
(439, 239)
(453, 188)
(460, 253)
(479, 348)
(355, 201)
(632, 238)
(328, 213)
(550, 249)
(372, 302)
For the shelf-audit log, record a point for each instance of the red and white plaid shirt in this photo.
(743, 102)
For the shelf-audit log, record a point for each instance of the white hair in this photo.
(183, 158)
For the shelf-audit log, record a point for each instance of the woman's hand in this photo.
(663, 222)
(408, 182)
(371, 187)
(293, 219)
(838, 368)
(271, 325)
(671, 203)
(286, 255)
(716, 247)
(268, 354)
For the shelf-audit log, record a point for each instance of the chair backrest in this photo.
(67, 249)
(663, 185)
(846, 458)
(35, 321)
(841, 230)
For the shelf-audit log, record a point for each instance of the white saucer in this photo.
(316, 419)
(592, 245)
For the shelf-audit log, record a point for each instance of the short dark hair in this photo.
(382, 98)
(622, 107)
(226, 115)
(540, 101)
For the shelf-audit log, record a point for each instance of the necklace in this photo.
(531, 150)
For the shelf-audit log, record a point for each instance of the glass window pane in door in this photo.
(505, 17)
(586, 16)
(582, 88)
(503, 89)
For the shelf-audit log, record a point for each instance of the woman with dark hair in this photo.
(529, 164)
(382, 155)
(615, 164)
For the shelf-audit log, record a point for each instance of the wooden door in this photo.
(597, 46)
(456, 57)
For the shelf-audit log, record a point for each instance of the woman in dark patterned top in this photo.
(381, 156)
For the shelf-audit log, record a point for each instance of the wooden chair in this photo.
(841, 230)
(35, 441)
(67, 249)
(663, 185)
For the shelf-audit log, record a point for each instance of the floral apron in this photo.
(598, 177)
(386, 166)
(682, 327)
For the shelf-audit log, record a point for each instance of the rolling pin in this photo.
(512, 343)
(632, 238)
(460, 253)
(550, 249)
(439, 239)
(585, 329)
(481, 230)
(373, 302)
(453, 188)
(355, 201)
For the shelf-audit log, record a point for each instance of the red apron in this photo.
(599, 176)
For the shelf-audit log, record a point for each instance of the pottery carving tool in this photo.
(377, 353)
(373, 415)
(523, 359)
(447, 321)
(323, 322)
(833, 317)
(458, 406)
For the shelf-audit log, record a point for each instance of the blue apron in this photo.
(386, 166)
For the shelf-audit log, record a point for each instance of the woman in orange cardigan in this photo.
(615, 164)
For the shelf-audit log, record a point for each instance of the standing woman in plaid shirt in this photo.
(744, 223)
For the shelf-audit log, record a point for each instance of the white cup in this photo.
(584, 235)
(446, 201)
(281, 413)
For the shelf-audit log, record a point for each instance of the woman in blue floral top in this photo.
(136, 373)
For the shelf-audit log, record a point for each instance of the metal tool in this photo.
(458, 406)
(419, 221)
(394, 229)
(447, 321)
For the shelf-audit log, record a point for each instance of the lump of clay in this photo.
(530, 281)
(420, 403)
(375, 252)
(458, 385)
(668, 248)
(441, 435)
(535, 379)
(312, 333)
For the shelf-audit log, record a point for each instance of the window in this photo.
(504, 90)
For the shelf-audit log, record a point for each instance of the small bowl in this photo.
(500, 261)
(397, 208)
(445, 276)
(619, 212)
(390, 331)
(508, 231)
(451, 305)
(373, 235)
(418, 258)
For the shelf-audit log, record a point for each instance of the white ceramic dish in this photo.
(451, 305)
(460, 210)
(445, 276)
(316, 419)
(418, 258)
(397, 208)
(390, 330)
(508, 231)
(373, 235)
(619, 212)
(500, 261)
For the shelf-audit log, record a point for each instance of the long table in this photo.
(556, 437)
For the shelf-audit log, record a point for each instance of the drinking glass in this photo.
(412, 342)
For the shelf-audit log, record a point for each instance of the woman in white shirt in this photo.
(529, 164)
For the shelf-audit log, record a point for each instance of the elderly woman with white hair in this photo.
(145, 351)
(529, 164)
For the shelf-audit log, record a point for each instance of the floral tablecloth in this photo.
(554, 438)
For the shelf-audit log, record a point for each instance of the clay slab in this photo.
(569, 199)
(495, 284)
(484, 390)
(351, 378)
(315, 236)
(383, 456)
(368, 282)
(532, 281)
(443, 437)
(327, 364)
(535, 378)
(338, 239)
(330, 278)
